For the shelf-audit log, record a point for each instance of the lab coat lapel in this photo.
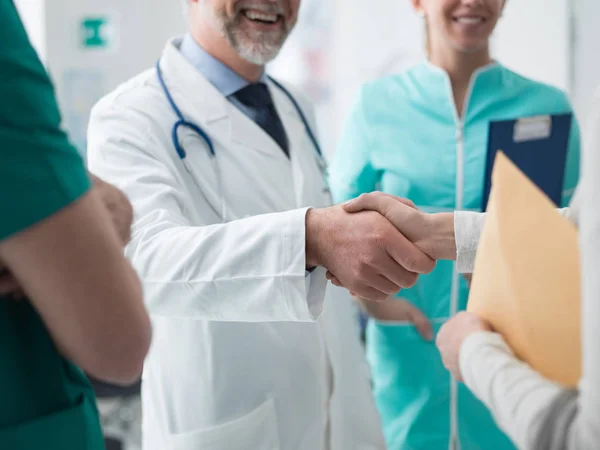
(299, 143)
(199, 101)
(203, 104)
(229, 128)
(247, 133)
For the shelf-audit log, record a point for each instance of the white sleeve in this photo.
(252, 269)
(467, 230)
(517, 396)
(468, 227)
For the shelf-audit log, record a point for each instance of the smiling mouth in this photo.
(469, 20)
(261, 16)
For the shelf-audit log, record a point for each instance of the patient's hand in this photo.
(453, 334)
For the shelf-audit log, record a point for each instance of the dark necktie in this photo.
(257, 98)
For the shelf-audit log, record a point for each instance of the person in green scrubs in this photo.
(83, 307)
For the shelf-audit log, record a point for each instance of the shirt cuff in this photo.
(316, 284)
(305, 295)
(467, 231)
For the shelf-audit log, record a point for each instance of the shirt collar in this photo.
(222, 77)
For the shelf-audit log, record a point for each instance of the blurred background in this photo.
(90, 46)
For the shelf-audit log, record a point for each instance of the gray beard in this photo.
(259, 51)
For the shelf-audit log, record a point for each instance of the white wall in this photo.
(305, 63)
(586, 73)
(533, 38)
(81, 75)
(370, 39)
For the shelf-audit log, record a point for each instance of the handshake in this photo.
(377, 244)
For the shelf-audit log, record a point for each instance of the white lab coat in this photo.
(246, 355)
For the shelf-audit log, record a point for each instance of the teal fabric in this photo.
(404, 137)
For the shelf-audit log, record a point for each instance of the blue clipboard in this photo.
(537, 145)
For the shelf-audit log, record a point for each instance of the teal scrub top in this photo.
(404, 137)
(45, 401)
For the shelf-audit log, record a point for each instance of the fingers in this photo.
(375, 201)
(404, 216)
(400, 310)
(8, 285)
(468, 277)
(409, 256)
(118, 206)
(420, 321)
(395, 271)
(376, 290)
(333, 279)
(387, 286)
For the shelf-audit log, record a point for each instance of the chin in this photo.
(258, 54)
(470, 46)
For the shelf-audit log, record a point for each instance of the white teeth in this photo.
(470, 20)
(263, 17)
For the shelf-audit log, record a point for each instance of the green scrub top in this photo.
(45, 401)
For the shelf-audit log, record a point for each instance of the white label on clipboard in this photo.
(533, 129)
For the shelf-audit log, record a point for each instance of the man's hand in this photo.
(399, 310)
(432, 233)
(453, 334)
(118, 206)
(365, 251)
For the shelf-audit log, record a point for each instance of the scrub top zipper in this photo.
(454, 443)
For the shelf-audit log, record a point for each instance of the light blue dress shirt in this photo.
(226, 80)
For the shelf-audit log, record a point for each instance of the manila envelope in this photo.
(526, 280)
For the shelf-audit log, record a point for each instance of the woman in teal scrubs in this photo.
(83, 307)
(423, 135)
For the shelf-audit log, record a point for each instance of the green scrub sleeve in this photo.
(40, 171)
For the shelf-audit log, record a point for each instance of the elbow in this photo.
(122, 364)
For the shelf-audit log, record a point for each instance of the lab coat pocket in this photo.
(256, 430)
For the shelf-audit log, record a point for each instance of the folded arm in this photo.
(72, 269)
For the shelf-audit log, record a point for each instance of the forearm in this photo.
(379, 310)
(247, 270)
(441, 244)
(71, 267)
(518, 397)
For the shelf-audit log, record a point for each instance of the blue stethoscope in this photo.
(182, 122)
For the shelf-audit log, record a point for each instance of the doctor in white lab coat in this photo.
(247, 354)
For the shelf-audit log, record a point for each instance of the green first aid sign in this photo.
(95, 32)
